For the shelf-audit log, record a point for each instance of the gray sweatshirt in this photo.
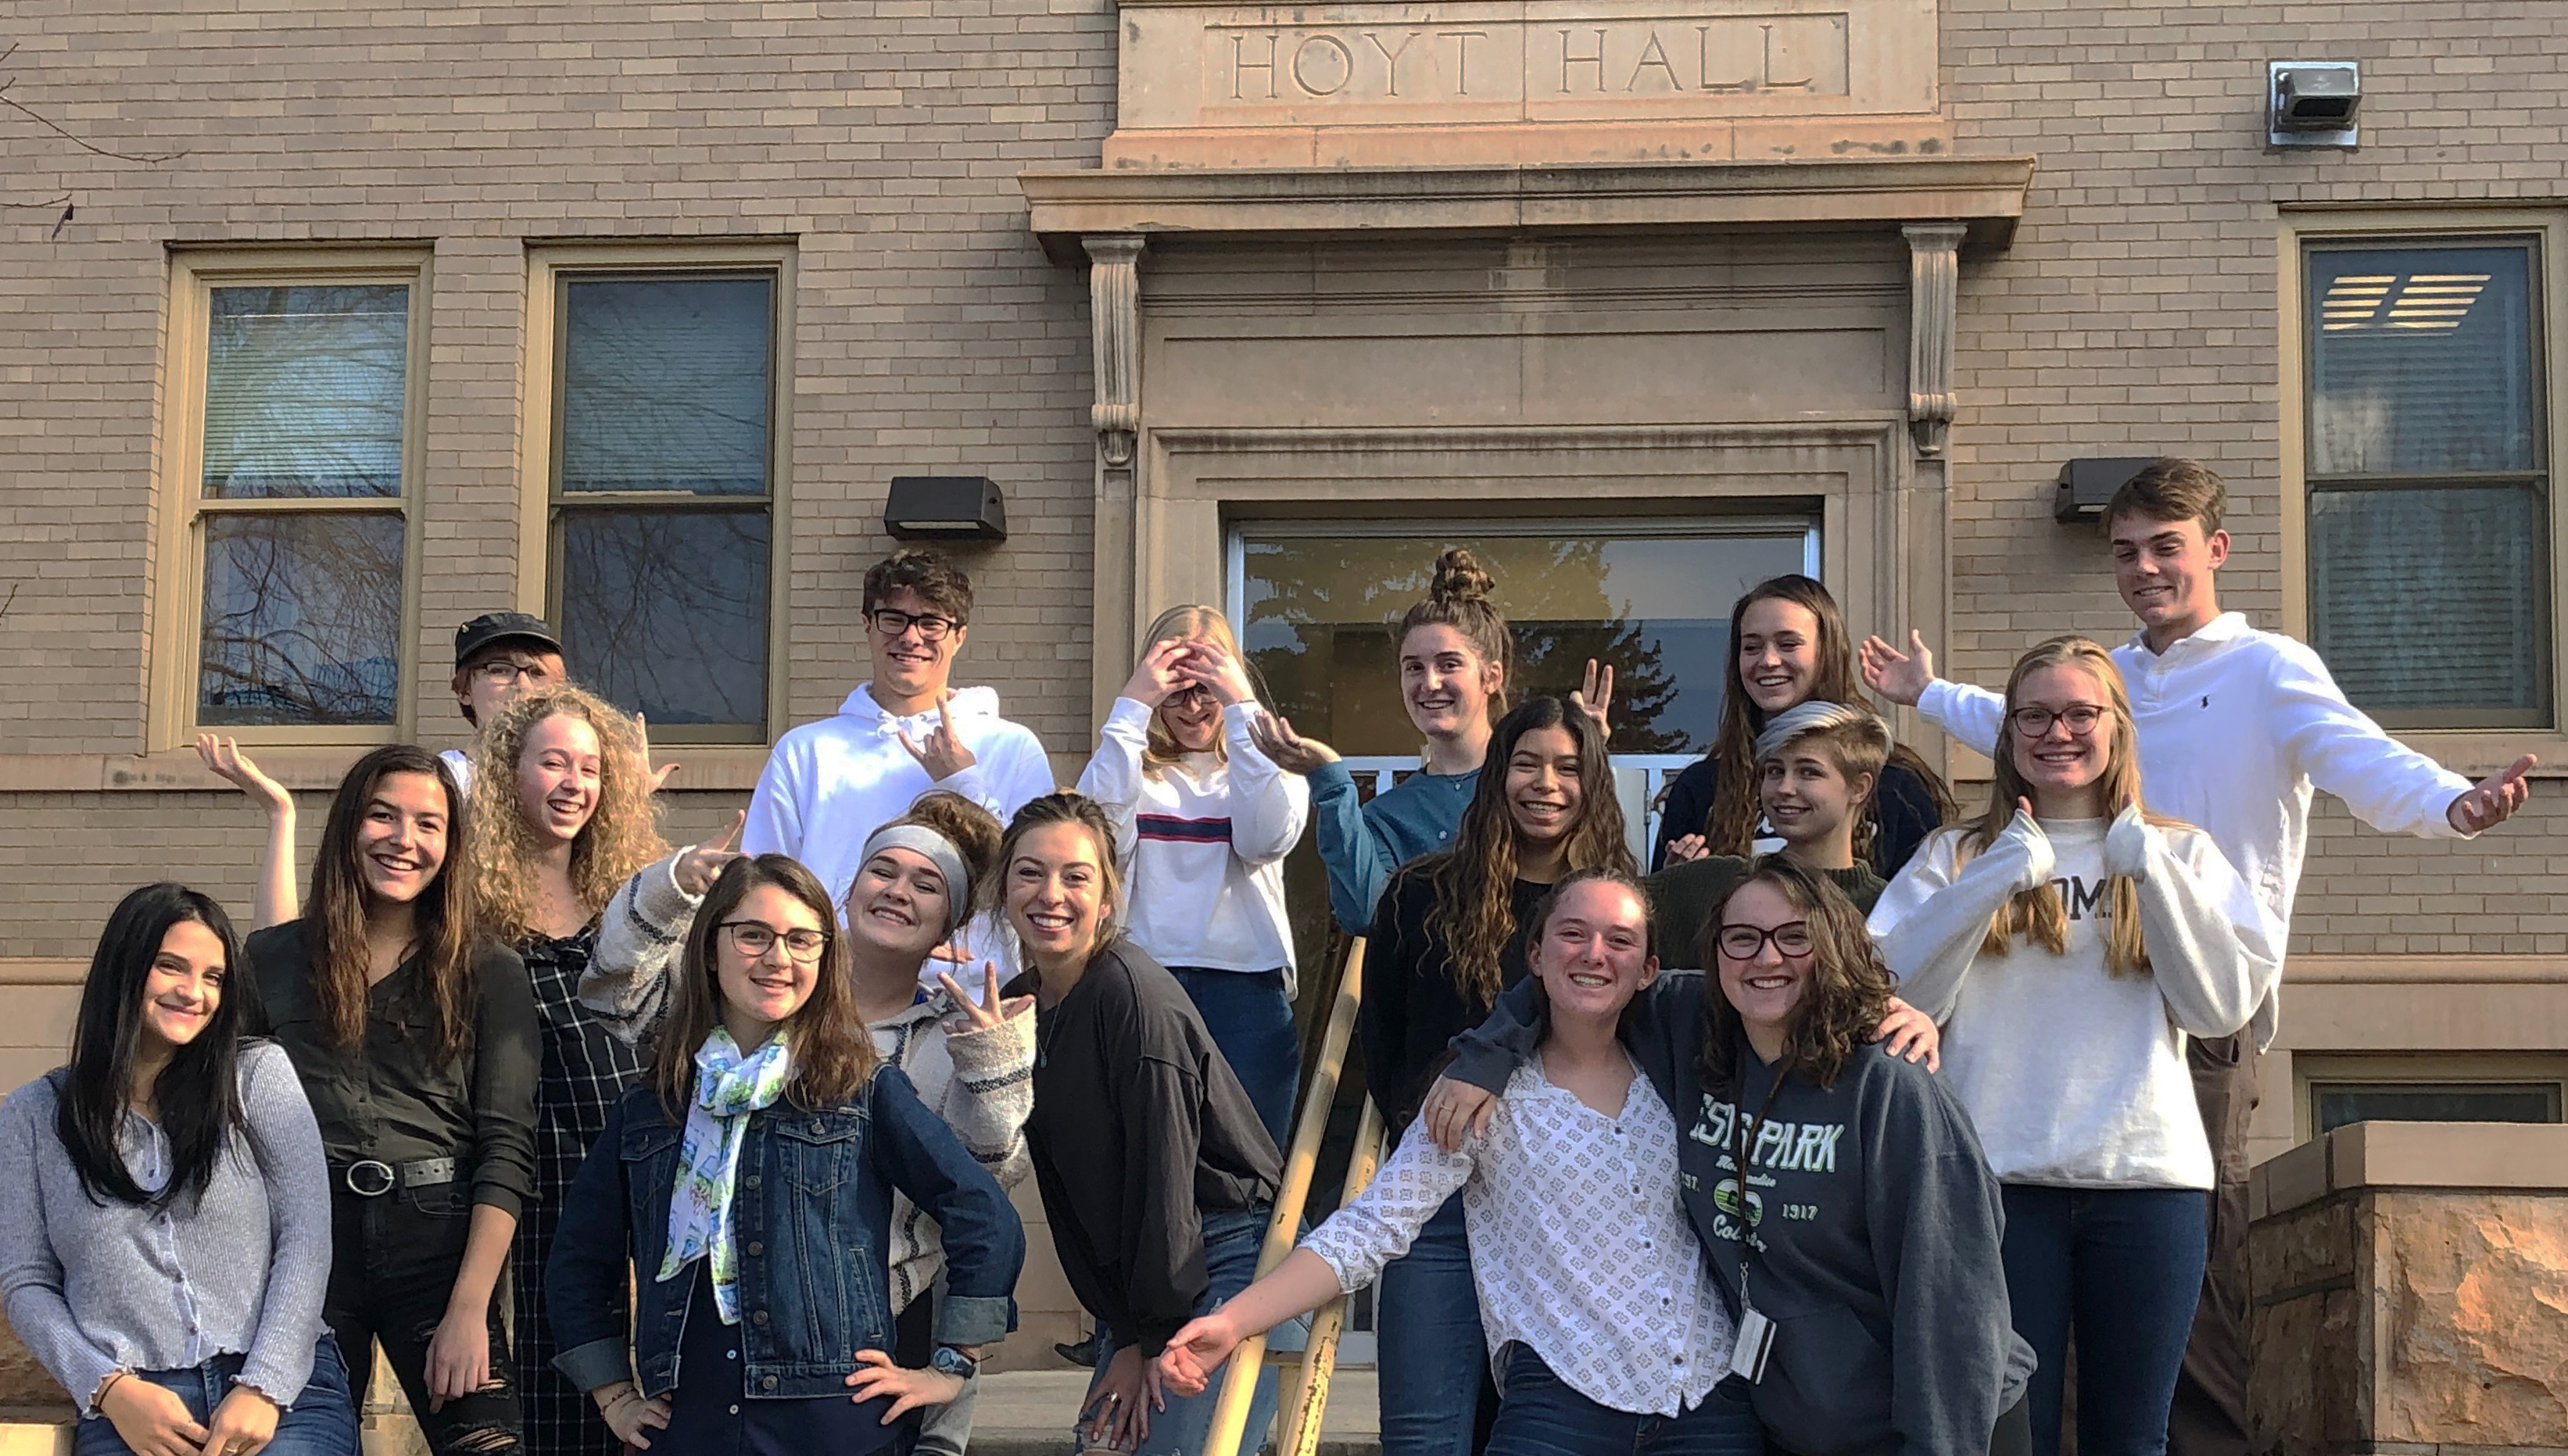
(1874, 1224)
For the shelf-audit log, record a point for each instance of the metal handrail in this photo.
(1318, 1358)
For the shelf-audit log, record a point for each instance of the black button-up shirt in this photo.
(395, 1099)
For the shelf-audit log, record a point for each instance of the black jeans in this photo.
(393, 1262)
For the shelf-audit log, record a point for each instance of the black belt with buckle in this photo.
(373, 1177)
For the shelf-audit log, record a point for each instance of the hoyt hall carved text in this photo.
(1502, 61)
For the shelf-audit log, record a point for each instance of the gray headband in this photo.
(1802, 719)
(940, 852)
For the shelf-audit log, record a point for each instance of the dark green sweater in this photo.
(1684, 897)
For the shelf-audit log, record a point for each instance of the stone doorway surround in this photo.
(1527, 122)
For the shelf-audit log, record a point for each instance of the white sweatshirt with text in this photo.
(2236, 727)
(2076, 1077)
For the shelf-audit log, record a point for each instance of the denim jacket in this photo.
(813, 1212)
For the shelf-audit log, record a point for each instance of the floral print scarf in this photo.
(729, 1088)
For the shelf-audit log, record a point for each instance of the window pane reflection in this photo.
(302, 619)
(1319, 613)
(2421, 361)
(2436, 601)
(304, 391)
(665, 384)
(665, 611)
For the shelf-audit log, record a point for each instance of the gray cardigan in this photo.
(93, 1288)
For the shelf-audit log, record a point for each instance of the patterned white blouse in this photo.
(1579, 1246)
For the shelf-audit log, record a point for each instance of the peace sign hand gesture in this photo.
(698, 864)
(986, 1013)
(942, 755)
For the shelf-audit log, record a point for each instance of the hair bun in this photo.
(1460, 577)
(972, 828)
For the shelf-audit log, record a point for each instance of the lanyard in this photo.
(1743, 1132)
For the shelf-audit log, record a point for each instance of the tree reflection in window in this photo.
(302, 619)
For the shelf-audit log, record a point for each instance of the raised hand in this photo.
(1156, 674)
(699, 864)
(225, 759)
(942, 755)
(1287, 749)
(987, 1013)
(1902, 676)
(2495, 800)
(1207, 663)
(659, 775)
(1682, 848)
(1595, 692)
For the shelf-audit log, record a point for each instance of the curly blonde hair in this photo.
(620, 838)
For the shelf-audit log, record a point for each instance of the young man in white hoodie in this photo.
(830, 784)
(2236, 728)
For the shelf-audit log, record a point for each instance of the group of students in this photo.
(1677, 1168)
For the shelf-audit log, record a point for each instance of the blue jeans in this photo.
(1251, 1021)
(1430, 1353)
(2124, 1266)
(1231, 1242)
(1540, 1415)
(322, 1423)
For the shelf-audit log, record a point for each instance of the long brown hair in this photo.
(1731, 826)
(834, 1054)
(1062, 806)
(618, 839)
(1457, 596)
(1474, 878)
(1843, 998)
(2040, 912)
(444, 927)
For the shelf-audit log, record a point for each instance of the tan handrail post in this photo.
(1300, 1433)
(1240, 1378)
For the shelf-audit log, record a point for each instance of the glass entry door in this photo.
(1317, 602)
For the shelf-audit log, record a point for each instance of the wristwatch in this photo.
(951, 1361)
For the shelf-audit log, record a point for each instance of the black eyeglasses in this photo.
(2082, 719)
(1744, 942)
(754, 937)
(893, 623)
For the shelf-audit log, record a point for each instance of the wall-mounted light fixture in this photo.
(2313, 102)
(2088, 485)
(945, 508)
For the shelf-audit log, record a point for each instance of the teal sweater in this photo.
(1363, 845)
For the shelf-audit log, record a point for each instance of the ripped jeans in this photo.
(393, 1262)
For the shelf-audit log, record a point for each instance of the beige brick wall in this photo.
(2134, 313)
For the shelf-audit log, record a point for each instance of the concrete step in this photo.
(1029, 1413)
(1021, 1413)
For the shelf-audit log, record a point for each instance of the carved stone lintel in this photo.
(1114, 327)
(1934, 289)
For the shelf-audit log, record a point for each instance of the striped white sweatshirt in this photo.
(1202, 843)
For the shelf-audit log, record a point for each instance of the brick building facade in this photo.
(1681, 298)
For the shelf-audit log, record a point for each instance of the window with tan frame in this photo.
(2421, 461)
(290, 467)
(655, 453)
(2340, 1088)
